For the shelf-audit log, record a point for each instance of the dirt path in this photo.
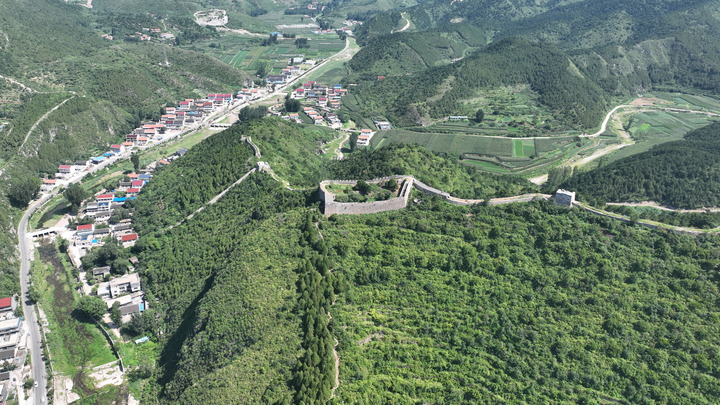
(7, 40)
(656, 205)
(624, 136)
(338, 152)
(240, 31)
(407, 23)
(17, 83)
(214, 199)
(27, 136)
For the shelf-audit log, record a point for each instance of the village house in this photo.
(129, 239)
(84, 230)
(125, 284)
(48, 185)
(64, 170)
(382, 125)
(6, 304)
(100, 272)
(103, 216)
(117, 148)
(275, 79)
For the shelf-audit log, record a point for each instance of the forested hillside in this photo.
(434, 303)
(512, 304)
(681, 174)
(622, 47)
(414, 52)
(440, 92)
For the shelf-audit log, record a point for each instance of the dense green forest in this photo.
(434, 303)
(440, 92)
(524, 302)
(682, 174)
(413, 52)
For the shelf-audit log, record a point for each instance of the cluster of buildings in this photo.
(322, 95)
(365, 137)
(324, 99)
(345, 30)
(67, 171)
(10, 334)
(284, 76)
(146, 35)
(124, 289)
(329, 118)
(188, 112)
(249, 94)
(10, 327)
(101, 209)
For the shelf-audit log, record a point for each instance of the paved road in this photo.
(37, 395)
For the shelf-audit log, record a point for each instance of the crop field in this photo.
(246, 53)
(523, 147)
(451, 144)
(657, 127)
(690, 101)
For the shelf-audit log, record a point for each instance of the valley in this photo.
(342, 202)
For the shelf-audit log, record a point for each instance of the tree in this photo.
(261, 70)
(135, 159)
(115, 314)
(75, 195)
(479, 115)
(302, 43)
(292, 105)
(93, 307)
(391, 184)
(250, 113)
(23, 190)
(33, 293)
(362, 187)
(29, 383)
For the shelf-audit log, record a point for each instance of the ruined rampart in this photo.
(355, 208)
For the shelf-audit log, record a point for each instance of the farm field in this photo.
(497, 155)
(247, 53)
(451, 144)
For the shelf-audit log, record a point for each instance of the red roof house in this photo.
(5, 304)
(85, 227)
(129, 237)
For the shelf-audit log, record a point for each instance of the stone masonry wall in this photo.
(332, 207)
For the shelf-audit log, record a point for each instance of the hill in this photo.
(680, 174)
(510, 303)
(620, 47)
(455, 89)
(67, 93)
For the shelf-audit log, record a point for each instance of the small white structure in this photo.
(565, 198)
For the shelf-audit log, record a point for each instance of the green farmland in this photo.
(492, 154)
(246, 53)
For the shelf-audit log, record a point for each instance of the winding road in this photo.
(38, 395)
